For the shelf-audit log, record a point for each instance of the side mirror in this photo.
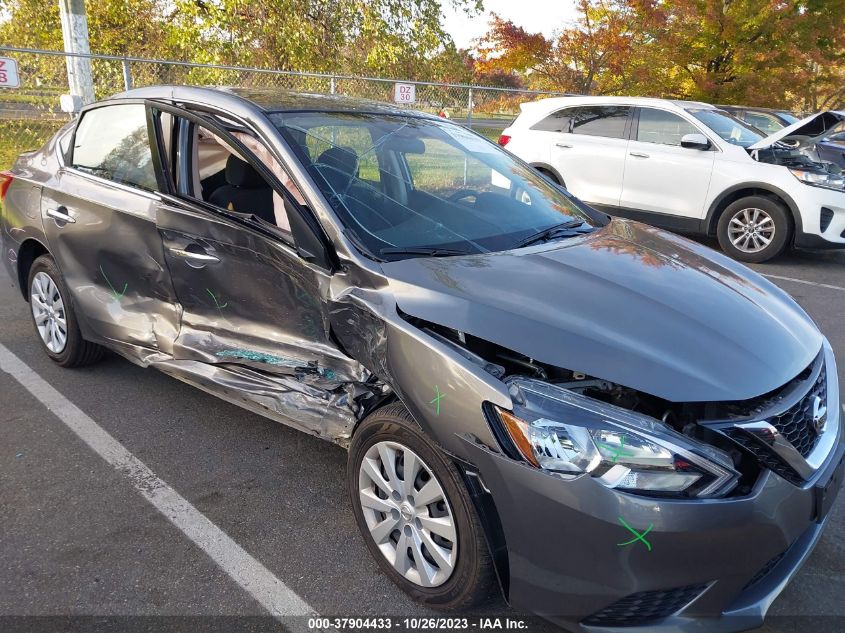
(695, 141)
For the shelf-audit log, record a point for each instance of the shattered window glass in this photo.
(352, 137)
(406, 185)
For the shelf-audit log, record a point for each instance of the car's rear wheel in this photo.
(754, 229)
(415, 514)
(54, 319)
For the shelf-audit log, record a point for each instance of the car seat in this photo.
(245, 191)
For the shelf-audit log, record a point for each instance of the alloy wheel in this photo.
(48, 311)
(751, 230)
(408, 514)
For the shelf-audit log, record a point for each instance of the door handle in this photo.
(61, 215)
(638, 154)
(194, 258)
(564, 145)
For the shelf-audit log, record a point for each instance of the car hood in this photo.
(627, 303)
(799, 127)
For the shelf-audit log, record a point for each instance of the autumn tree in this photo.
(788, 53)
(509, 50)
(750, 51)
(591, 56)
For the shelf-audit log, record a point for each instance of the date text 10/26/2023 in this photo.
(419, 624)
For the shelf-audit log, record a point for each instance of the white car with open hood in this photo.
(690, 167)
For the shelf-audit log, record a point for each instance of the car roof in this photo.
(270, 99)
(754, 109)
(554, 102)
(533, 111)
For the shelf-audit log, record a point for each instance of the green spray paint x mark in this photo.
(117, 295)
(216, 303)
(437, 398)
(617, 451)
(637, 535)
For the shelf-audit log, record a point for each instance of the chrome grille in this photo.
(778, 429)
(765, 456)
(796, 423)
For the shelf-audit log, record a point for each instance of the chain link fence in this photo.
(30, 113)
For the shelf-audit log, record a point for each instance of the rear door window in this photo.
(607, 121)
(556, 122)
(112, 142)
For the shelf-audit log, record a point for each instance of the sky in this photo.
(534, 16)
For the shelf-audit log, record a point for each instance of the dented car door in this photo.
(98, 214)
(254, 327)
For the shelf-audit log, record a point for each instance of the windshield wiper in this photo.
(424, 251)
(545, 234)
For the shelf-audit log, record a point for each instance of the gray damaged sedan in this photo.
(611, 425)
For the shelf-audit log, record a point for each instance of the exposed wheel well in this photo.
(30, 251)
(550, 173)
(733, 196)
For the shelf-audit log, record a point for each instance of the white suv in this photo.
(689, 167)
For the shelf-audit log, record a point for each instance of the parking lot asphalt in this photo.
(78, 538)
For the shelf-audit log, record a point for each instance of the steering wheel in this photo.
(464, 193)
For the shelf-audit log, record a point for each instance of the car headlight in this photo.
(819, 178)
(569, 434)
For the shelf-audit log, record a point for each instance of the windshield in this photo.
(729, 128)
(788, 117)
(406, 186)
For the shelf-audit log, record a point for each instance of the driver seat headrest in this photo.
(343, 159)
(241, 174)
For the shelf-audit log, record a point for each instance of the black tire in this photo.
(472, 581)
(77, 351)
(782, 228)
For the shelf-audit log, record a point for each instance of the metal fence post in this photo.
(469, 109)
(332, 86)
(127, 75)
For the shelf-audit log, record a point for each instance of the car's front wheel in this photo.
(54, 318)
(754, 229)
(415, 514)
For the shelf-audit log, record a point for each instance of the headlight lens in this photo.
(569, 434)
(819, 179)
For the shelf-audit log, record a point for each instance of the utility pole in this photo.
(75, 34)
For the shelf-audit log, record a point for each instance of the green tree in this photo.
(117, 27)
(386, 37)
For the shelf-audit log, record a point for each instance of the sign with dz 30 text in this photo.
(9, 73)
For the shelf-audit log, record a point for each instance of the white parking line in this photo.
(804, 281)
(245, 570)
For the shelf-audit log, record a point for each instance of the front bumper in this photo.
(565, 561)
(812, 232)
